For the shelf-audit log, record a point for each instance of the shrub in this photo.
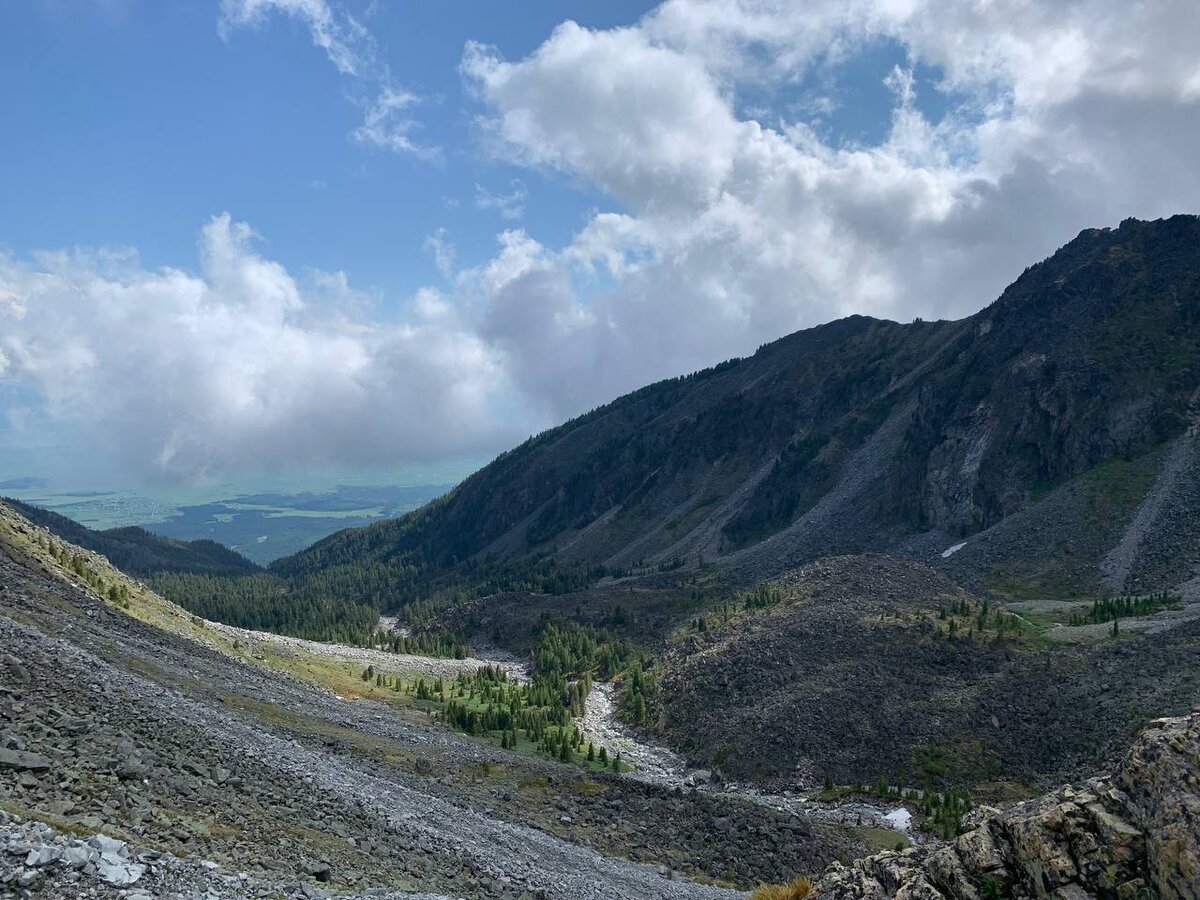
(800, 888)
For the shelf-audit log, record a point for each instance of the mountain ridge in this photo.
(137, 551)
(1089, 355)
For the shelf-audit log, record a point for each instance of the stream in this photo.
(659, 765)
(655, 764)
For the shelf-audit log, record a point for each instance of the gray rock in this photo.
(196, 768)
(320, 871)
(28, 877)
(120, 874)
(22, 760)
(42, 855)
(76, 857)
(15, 668)
(106, 844)
(1134, 834)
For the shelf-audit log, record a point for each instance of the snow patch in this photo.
(899, 819)
(950, 551)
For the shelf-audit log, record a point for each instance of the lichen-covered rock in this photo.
(1161, 781)
(1133, 835)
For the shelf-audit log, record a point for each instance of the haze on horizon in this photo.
(245, 237)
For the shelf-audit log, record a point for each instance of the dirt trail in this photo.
(383, 661)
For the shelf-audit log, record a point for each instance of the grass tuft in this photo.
(799, 888)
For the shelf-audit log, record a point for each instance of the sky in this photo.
(246, 237)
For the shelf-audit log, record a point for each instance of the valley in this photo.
(309, 753)
(853, 609)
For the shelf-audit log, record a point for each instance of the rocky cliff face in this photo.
(1132, 834)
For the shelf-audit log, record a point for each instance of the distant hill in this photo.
(28, 483)
(137, 551)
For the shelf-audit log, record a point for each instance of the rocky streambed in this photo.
(656, 764)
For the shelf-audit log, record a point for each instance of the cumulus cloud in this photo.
(726, 231)
(723, 223)
(350, 46)
(241, 366)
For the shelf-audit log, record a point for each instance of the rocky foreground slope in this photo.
(212, 757)
(1132, 834)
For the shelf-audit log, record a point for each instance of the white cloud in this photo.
(444, 255)
(242, 367)
(387, 124)
(346, 42)
(352, 49)
(509, 206)
(727, 232)
(719, 230)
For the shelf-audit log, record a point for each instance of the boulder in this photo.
(1133, 834)
(120, 874)
(22, 760)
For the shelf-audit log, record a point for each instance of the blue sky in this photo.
(130, 123)
(246, 237)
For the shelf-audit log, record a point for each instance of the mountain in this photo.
(27, 482)
(138, 552)
(942, 566)
(977, 537)
(857, 435)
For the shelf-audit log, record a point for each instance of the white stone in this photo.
(42, 856)
(121, 875)
(105, 844)
(76, 857)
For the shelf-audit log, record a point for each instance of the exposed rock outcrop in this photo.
(1132, 834)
